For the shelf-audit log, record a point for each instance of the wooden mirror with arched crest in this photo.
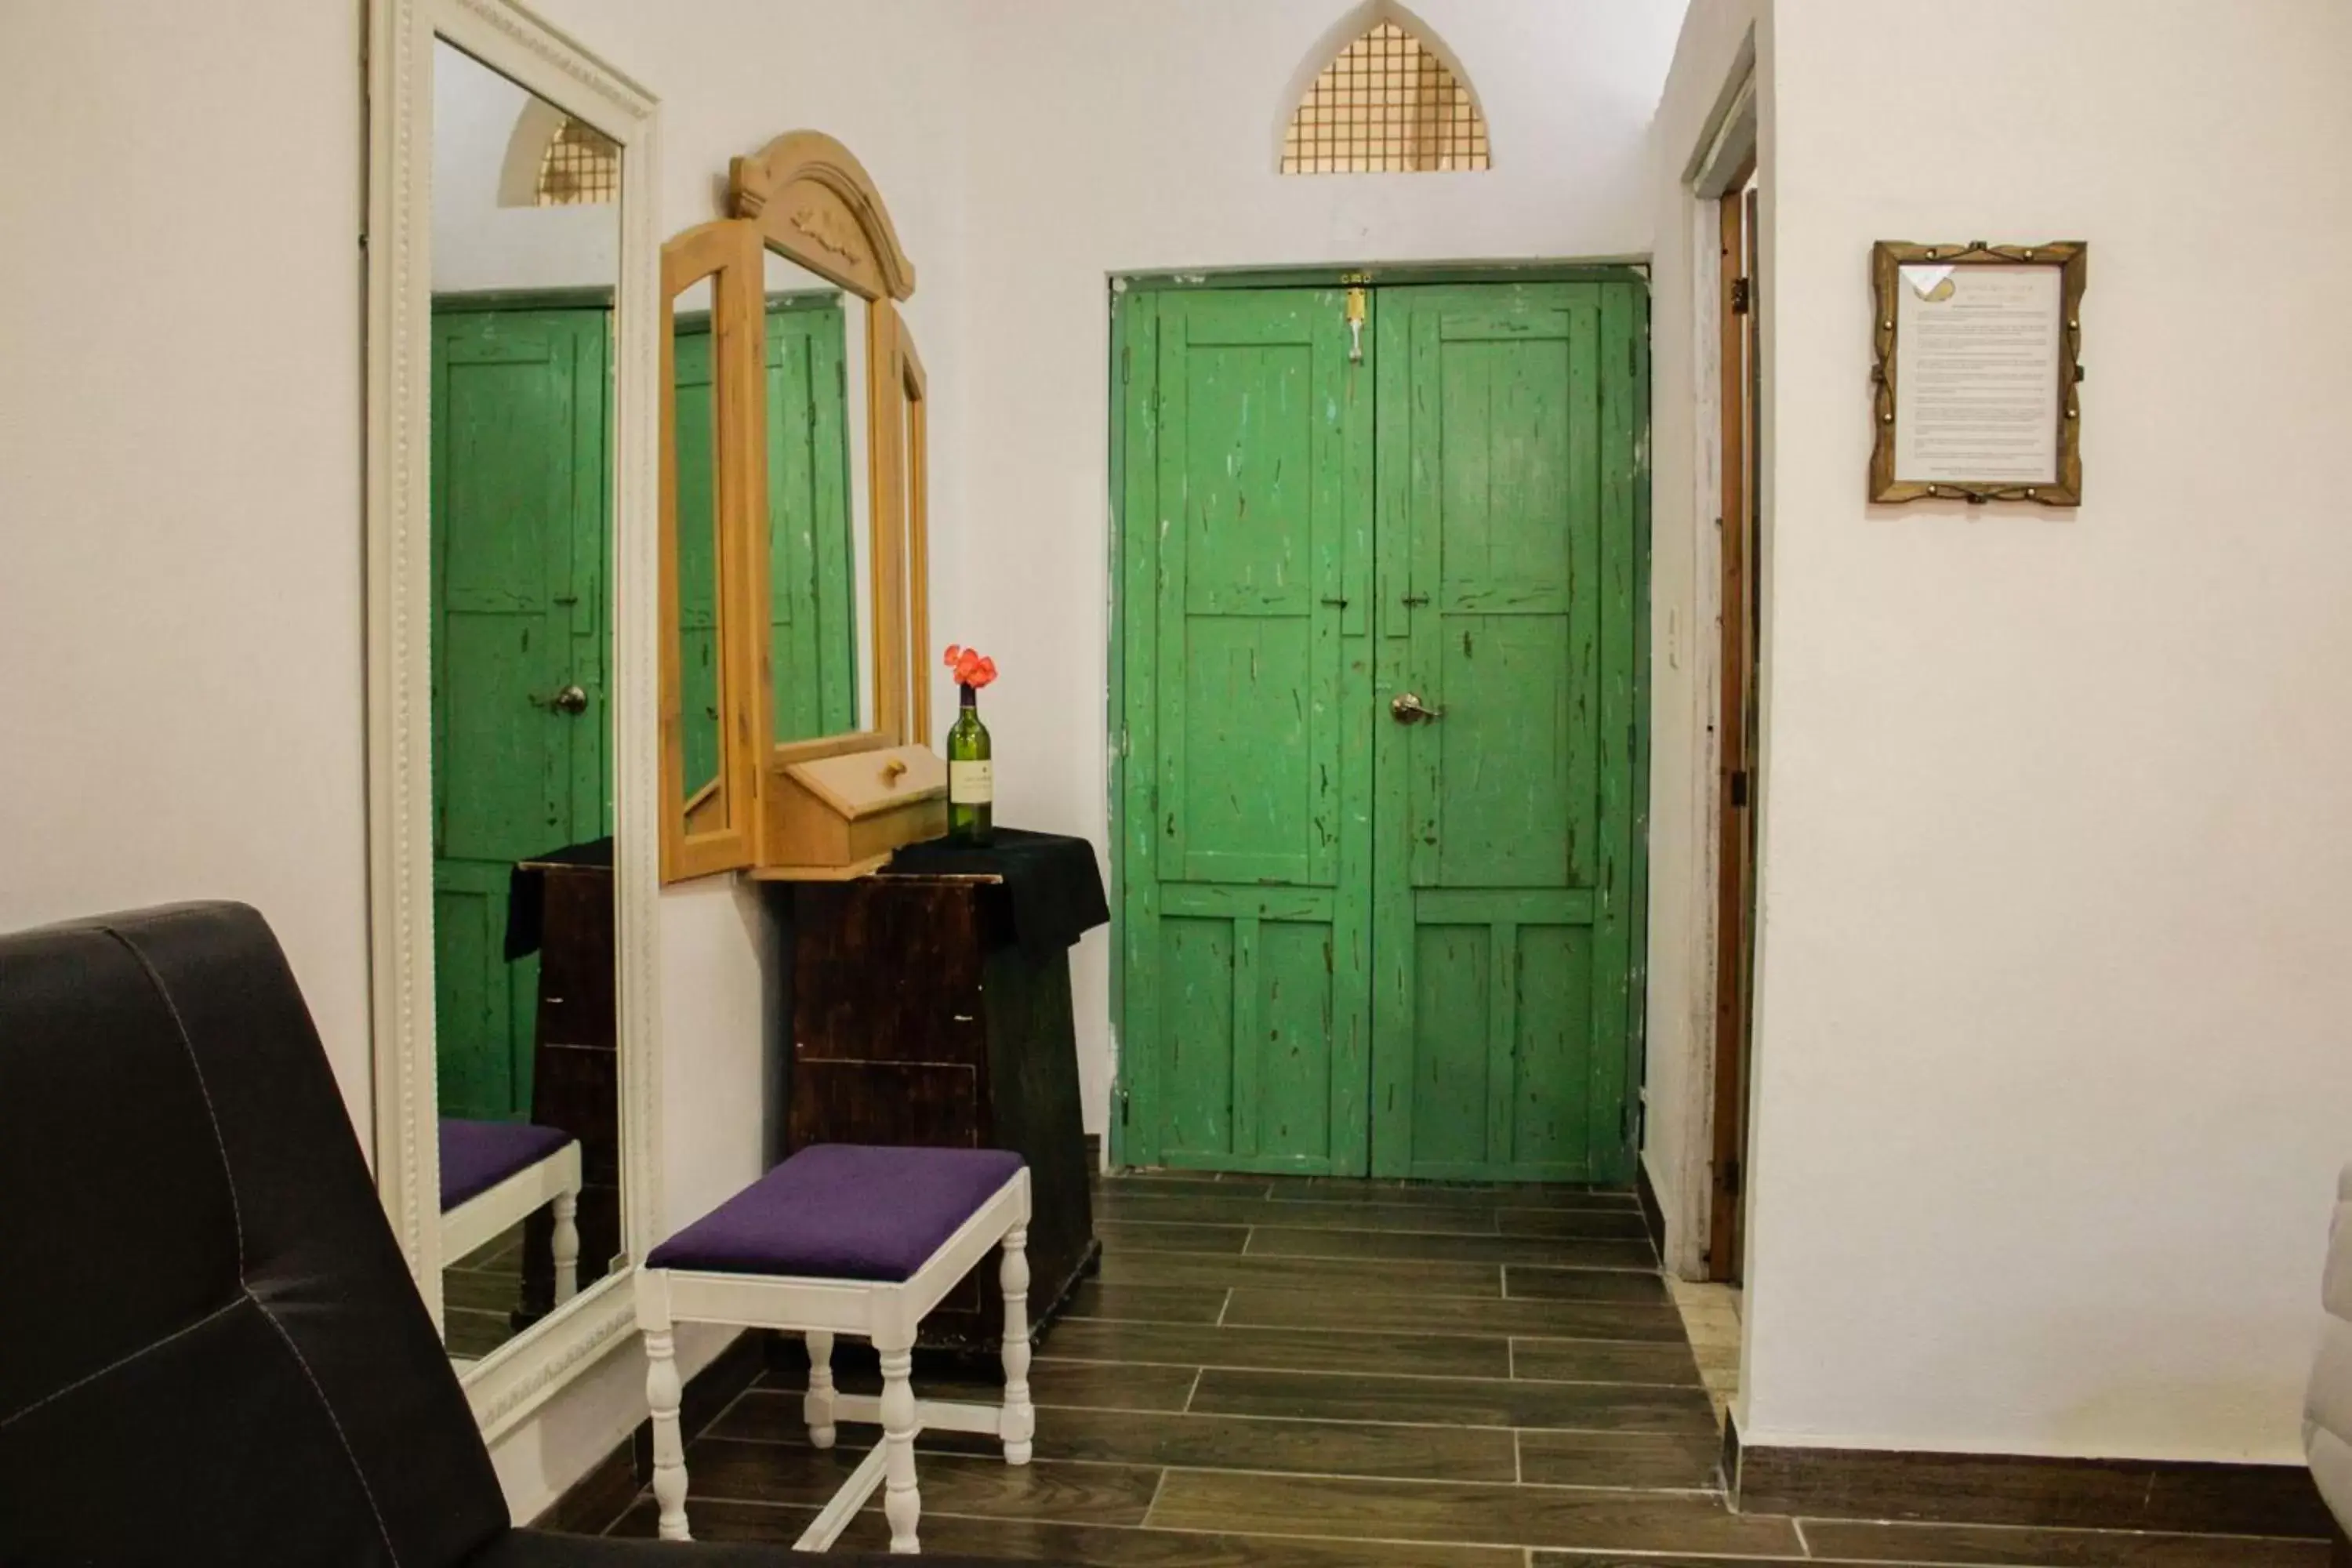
(817, 625)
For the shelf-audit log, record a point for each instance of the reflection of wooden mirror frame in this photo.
(814, 204)
(713, 832)
(898, 453)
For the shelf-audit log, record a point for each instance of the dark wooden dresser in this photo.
(918, 1018)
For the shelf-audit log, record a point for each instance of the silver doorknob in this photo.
(571, 700)
(1407, 708)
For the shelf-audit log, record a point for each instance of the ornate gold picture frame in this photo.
(1979, 372)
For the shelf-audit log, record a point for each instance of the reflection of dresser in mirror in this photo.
(562, 904)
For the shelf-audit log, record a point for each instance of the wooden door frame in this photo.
(1737, 347)
(1133, 465)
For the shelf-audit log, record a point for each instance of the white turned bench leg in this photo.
(886, 1314)
(566, 1244)
(816, 1404)
(901, 1501)
(1020, 1419)
(662, 1395)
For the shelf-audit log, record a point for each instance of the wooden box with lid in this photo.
(834, 809)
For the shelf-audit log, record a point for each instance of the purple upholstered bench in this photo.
(495, 1174)
(845, 1238)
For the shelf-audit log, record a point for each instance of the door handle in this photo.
(1407, 708)
(573, 699)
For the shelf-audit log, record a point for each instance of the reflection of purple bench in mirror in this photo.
(846, 1239)
(496, 1175)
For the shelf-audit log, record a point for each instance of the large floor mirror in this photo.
(526, 240)
(511, 682)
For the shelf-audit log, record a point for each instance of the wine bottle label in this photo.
(971, 784)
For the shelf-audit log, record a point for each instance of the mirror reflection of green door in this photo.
(1354, 940)
(812, 628)
(696, 412)
(812, 622)
(519, 546)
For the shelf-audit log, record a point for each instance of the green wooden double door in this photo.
(1379, 619)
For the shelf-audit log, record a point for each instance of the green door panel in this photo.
(1249, 724)
(1349, 943)
(1503, 873)
(1246, 915)
(519, 543)
(813, 629)
(696, 413)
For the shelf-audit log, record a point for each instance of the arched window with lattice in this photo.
(581, 166)
(555, 161)
(1387, 103)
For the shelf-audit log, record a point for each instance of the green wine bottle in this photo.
(971, 781)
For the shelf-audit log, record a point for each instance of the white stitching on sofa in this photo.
(228, 1176)
(237, 1213)
(358, 1474)
(120, 1362)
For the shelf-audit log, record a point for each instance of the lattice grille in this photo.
(581, 166)
(1386, 105)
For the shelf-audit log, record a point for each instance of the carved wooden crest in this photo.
(814, 203)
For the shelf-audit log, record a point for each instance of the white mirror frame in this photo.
(518, 1376)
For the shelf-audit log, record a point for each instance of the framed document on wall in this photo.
(1979, 364)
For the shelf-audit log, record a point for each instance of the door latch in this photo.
(1409, 709)
(1356, 307)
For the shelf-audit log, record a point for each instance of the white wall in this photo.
(731, 75)
(886, 79)
(2049, 1073)
(477, 242)
(181, 611)
(2052, 1062)
(1146, 142)
(180, 545)
(1017, 204)
(180, 461)
(1685, 564)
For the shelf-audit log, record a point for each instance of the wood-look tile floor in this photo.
(1325, 1372)
(480, 1294)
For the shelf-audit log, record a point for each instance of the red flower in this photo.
(970, 669)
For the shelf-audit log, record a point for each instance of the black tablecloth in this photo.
(1056, 887)
(526, 891)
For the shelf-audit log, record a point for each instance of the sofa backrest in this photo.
(210, 1347)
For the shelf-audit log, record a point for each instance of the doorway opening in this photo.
(1740, 372)
(1380, 714)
